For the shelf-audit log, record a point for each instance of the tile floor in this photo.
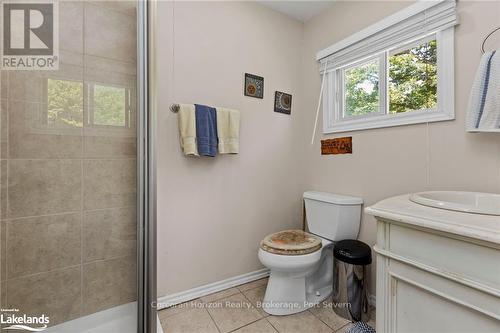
(236, 310)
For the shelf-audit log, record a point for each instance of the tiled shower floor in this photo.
(235, 310)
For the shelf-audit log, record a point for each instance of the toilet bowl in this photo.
(301, 263)
(293, 285)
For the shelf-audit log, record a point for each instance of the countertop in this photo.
(401, 209)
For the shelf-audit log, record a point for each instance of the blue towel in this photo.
(206, 130)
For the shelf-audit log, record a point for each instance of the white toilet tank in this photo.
(333, 216)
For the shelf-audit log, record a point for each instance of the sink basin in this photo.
(469, 202)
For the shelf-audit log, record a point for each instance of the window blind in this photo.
(416, 21)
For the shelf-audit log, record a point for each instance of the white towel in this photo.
(187, 129)
(228, 130)
(484, 102)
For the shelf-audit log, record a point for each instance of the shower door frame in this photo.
(146, 172)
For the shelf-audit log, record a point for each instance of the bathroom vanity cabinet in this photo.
(437, 270)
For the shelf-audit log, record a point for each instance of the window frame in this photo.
(334, 122)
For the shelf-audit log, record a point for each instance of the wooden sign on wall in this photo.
(337, 146)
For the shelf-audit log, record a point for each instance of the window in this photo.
(106, 105)
(109, 105)
(64, 103)
(398, 75)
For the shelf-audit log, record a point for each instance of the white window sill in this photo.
(390, 120)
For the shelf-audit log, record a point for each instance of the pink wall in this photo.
(398, 160)
(212, 213)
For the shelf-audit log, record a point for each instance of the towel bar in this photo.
(486, 38)
(174, 108)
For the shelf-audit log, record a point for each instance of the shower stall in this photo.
(77, 177)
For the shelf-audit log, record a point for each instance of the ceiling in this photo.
(300, 10)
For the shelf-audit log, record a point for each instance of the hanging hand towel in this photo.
(228, 129)
(484, 102)
(187, 129)
(206, 130)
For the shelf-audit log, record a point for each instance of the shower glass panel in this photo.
(69, 176)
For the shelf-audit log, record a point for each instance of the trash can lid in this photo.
(353, 252)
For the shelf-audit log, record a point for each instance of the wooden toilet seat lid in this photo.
(291, 242)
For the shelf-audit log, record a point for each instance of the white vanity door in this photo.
(417, 310)
(419, 292)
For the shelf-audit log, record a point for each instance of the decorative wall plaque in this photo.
(282, 102)
(254, 86)
(337, 146)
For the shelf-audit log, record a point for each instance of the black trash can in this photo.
(351, 257)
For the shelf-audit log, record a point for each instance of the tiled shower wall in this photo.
(68, 181)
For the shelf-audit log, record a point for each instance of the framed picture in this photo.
(282, 102)
(254, 86)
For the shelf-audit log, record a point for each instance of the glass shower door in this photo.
(68, 173)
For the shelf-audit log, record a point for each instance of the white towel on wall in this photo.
(484, 103)
(187, 129)
(228, 130)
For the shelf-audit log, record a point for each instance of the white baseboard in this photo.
(184, 296)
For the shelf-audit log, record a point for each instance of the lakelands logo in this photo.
(30, 35)
(11, 319)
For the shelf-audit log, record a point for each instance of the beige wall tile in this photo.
(25, 86)
(195, 320)
(108, 33)
(3, 294)
(4, 128)
(56, 294)
(99, 66)
(109, 183)
(126, 6)
(3, 189)
(4, 84)
(298, 323)
(233, 312)
(109, 233)
(30, 138)
(71, 26)
(3, 251)
(41, 187)
(40, 244)
(109, 283)
(109, 146)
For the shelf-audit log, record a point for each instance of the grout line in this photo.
(12, 219)
(241, 291)
(221, 297)
(266, 318)
(321, 320)
(70, 266)
(337, 330)
(82, 194)
(213, 320)
(73, 159)
(44, 272)
(248, 324)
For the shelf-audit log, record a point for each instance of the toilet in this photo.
(301, 263)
